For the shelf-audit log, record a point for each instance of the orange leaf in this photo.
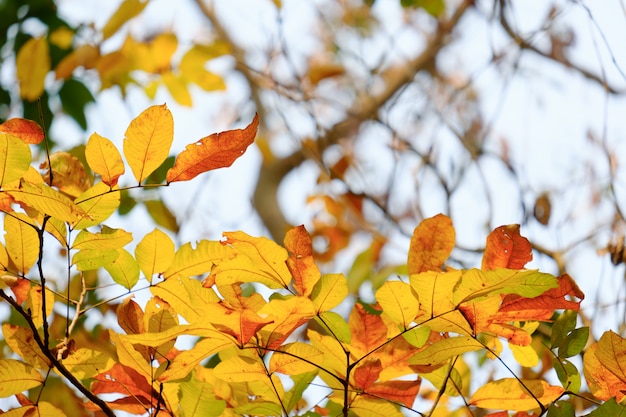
(542, 307)
(368, 331)
(30, 132)
(300, 262)
(130, 317)
(509, 394)
(218, 150)
(286, 315)
(431, 244)
(603, 383)
(506, 248)
(367, 373)
(124, 380)
(403, 392)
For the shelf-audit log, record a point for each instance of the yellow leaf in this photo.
(334, 360)
(86, 363)
(17, 376)
(162, 215)
(435, 291)
(62, 37)
(603, 383)
(444, 349)
(241, 369)
(185, 295)
(431, 244)
(84, 56)
(22, 241)
(127, 10)
(106, 238)
(68, 174)
(154, 253)
(104, 159)
(329, 291)
(286, 315)
(58, 229)
(611, 352)
(206, 80)
(295, 358)
(258, 259)
(509, 394)
(4, 258)
(524, 355)
(98, 202)
(21, 341)
(190, 262)
(127, 355)
(33, 63)
(86, 260)
(148, 140)
(42, 409)
(177, 88)
(47, 200)
(372, 407)
(162, 49)
(34, 302)
(399, 302)
(218, 150)
(124, 269)
(15, 158)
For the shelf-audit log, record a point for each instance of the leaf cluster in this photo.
(245, 326)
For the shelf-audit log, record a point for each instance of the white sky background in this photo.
(543, 112)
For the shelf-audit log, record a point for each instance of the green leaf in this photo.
(561, 409)
(335, 325)
(444, 349)
(574, 343)
(609, 409)
(197, 398)
(417, 336)
(433, 7)
(562, 326)
(74, 97)
(568, 374)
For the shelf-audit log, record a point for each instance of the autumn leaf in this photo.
(602, 382)
(444, 349)
(148, 140)
(126, 11)
(28, 131)
(33, 63)
(403, 392)
(104, 159)
(329, 292)
(368, 331)
(300, 262)
(257, 259)
(21, 341)
(154, 253)
(295, 358)
(431, 244)
(47, 200)
(218, 150)
(510, 394)
(17, 376)
(99, 202)
(189, 261)
(366, 373)
(15, 158)
(506, 248)
(286, 315)
(86, 363)
(22, 241)
(67, 173)
(399, 302)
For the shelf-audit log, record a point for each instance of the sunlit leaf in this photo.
(15, 158)
(126, 11)
(509, 394)
(369, 332)
(257, 259)
(124, 269)
(104, 159)
(525, 355)
(68, 174)
(241, 369)
(417, 336)
(86, 363)
(162, 215)
(21, 341)
(198, 398)
(99, 203)
(189, 261)
(33, 63)
(506, 248)
(399, 302)
(86, 260)
(27, 130)
(295, 358)
(286, 316)
(106, 238)
(177, 88)
(218, 150)
(329, 291)
(431, 244)
(154, 253)
(366, 373)
(403, 392)
(444, 349)
(48, 201)
(34, 302)
(16, 376)
(335, 324)
(148, 140)
(22, 241)
(300, 262)
(373, 407)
